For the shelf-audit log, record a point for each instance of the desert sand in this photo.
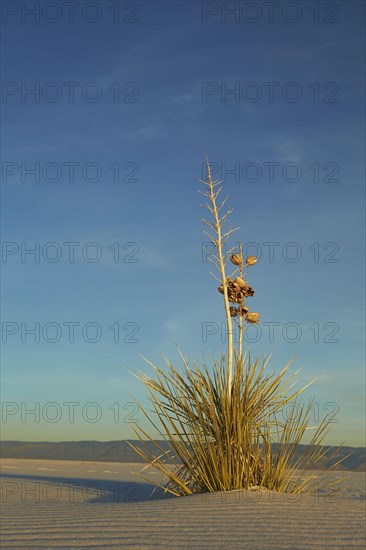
(65, 505)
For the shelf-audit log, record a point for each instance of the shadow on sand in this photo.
(92, 490)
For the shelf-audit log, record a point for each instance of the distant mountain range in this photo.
(120, 451)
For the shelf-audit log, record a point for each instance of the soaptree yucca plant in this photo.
(222, 424)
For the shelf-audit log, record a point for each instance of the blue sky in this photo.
(172, 67)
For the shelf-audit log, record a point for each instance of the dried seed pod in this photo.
(252, 317)
(220, 289)
(243, 310)
(236, 259)
(232, 296)
(251, 260)
(233, 312)
(240, 282)
(248, 291)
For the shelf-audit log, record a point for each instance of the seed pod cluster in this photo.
(238, 290)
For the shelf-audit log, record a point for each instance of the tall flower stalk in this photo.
(234, 290)
(218, 239)
(240, 322)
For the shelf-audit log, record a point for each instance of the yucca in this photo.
(220, 424)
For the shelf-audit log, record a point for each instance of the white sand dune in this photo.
(65, 505)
